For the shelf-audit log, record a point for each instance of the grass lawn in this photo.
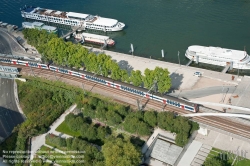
(63, 128)
(244, 162)
(216, 152)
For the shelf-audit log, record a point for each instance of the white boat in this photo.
(95, 39)
(219, 56)
(39, 26)
(73, 19)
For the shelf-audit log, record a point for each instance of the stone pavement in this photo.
(183, 79)
(225, 142)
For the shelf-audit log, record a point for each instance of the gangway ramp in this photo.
(226, 68)
(73, 31)
(191, 60)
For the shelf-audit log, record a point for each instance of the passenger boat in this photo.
(219, 56)
(39, 26)
(95, 39)
(73, 19)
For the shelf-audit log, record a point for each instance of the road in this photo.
(8, 44)
(9, 114)
(4, 44)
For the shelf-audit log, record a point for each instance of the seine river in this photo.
(153, 25)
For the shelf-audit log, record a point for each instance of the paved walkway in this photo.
(211, 87)
(38, 141)
(225, 142)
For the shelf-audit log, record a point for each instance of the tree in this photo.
(124, 76)
(131, 124)
(119, 152)
(113, 118)
(194, 126)
(136, 77)
(143, 129)
(150, 118)
(91, 133)
(163, 79)
(181, 139)
(166, 120)
(148, 79)
(83, 130)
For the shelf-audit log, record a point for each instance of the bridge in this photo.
(74, 29)
(218, 114)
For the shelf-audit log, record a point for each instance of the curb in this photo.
(17, 100)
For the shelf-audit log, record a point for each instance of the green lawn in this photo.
(244, 162)
(216, 152)
(63, 128)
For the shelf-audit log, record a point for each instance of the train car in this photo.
(165, 99)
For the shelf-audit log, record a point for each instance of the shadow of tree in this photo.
(176, 80)
(124, 65)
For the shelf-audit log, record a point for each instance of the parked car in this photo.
(198, 74)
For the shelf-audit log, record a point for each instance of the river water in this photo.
(153, 25)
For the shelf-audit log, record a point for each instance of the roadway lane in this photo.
(4, 44)
(9, 115)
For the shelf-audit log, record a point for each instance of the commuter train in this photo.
(165, 99)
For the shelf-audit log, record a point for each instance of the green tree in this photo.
(150, 117)
(113, 118)
(148, 78)
(143, 129)
(163, 79)
(136, 78)
(166, 120)
(91, 133)
(181, 139)
(119, 152)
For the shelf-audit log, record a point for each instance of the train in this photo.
(164, 99)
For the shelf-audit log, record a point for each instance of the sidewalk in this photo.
(38, 141)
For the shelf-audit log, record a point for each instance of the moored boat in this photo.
(219, 56)
(39, 26)
(73, 19)
(95, 39)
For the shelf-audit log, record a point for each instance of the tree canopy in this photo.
(64, 53)
(119, 152)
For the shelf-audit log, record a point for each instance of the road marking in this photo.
(7, 94)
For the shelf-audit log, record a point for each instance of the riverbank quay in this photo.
(212, 86)
(18, 44)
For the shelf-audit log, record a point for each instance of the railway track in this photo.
(217, 122)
